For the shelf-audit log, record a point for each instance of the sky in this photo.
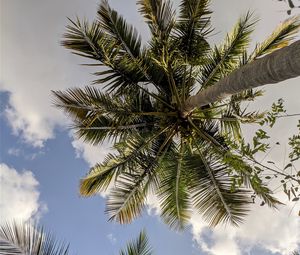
(41, 162)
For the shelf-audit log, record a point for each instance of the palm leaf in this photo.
(211, 190)
(192, 25)
(131, 153)
(83, 39)
(173, 193)
(295, 253)
(115, 25)
(225, 58)
(98, 116)
(126, 200)
(140, 246)
(90, 41)
(281, 37)
(23, 238)
(159, 16)
(134, 153)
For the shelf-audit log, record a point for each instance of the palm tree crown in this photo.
(188, 161)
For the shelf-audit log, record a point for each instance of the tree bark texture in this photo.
(278, 66)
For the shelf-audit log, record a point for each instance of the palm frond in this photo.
(230, 126)
(295, 253)
(92, 42)
(211, 190)
(173, 193)
(136, 152)
(160, 17)
(131, 154)
(130, 43)
(126, 200)
(24, 238)
(225, 58)
(280, 38)
(116, 26)
(98, 116)
(85, 39)
(192, 26)
(208, 133)
(140, 246)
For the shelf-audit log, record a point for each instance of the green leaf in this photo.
(26, 238)
(140, 246)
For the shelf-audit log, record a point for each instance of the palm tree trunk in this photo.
(278, 66)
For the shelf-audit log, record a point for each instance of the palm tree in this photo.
(24, 238)
(168, 138)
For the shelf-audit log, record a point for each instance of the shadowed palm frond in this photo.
(225, 58)
(173, 190)
(116, 26)
(24, 238)
(98, 116)
(126, 201)
(212, 193)
(135, 153)
(192, 26)
(140, 246)
(127, 198)
(160, 17)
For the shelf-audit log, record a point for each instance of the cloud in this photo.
(19, 196)
(14, 152)
(30, 126)
(35, 64)
(90, 153)
(266, 229)
(112, 238)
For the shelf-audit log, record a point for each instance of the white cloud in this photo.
(29, 125)
(35, 64)
(90, 153)
(275, 231)
(111, 238)
(19, 195)
(14, 152)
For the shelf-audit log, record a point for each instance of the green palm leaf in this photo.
(192, 26)
(281, 37)
(126, 200)
(24, 238)
(211, 190)
(159, 16)
(115, 25)
(224, 58)
(173, 190)
(140, 246)
(98, 116)
(90, 41)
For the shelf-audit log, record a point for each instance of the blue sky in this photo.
(41, 163)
